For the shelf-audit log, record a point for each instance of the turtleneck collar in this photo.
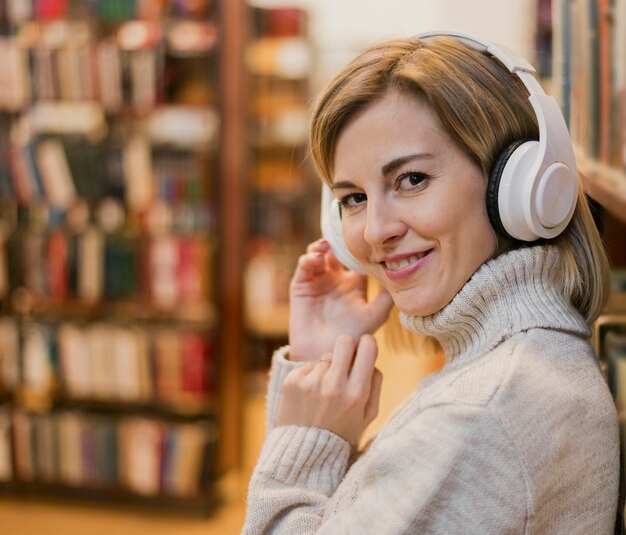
(506, 295)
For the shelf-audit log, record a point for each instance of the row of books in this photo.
(71, 448)
(15, 12)
(138, 170)
(130, 69)
(614, 354)
(590, 75)
(107, 362)
(165, 271)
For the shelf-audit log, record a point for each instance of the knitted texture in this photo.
(516, 434)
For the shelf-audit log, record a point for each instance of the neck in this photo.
(509, 294)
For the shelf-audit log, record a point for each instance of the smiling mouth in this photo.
(399, 265)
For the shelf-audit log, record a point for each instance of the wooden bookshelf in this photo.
(605, 184)
(122, 225)
(284, 192)
(589, 69)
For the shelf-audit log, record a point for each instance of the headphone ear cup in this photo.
(493, 187)
(330, 222)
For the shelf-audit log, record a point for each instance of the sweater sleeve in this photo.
(281, 366)
(451, 469)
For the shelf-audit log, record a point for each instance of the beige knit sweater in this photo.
(516, 434)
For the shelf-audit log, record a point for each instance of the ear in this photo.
(330, 222)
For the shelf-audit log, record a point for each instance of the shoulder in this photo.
(538, 358)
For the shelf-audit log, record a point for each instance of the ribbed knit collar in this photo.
(507, 295)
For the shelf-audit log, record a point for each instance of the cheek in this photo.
(353, 236)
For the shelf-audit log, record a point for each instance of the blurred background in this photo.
(155, 193)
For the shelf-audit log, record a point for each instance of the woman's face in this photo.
(413, 203)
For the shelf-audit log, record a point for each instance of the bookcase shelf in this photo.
(589, 66)
(199, 315)
(198, 506)
(179, 409)
(605, 184)
(284, 200)
(121, 202)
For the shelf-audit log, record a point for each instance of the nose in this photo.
(383, 224)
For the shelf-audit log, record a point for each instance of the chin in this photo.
(413, 309)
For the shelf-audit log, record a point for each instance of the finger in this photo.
(333, 263)
(302, 371)
(320, 367)
(343, 355)
(309, 265)
(363, 366)
(318, 246)
(373, 402)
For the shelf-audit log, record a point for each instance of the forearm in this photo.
(298, 470)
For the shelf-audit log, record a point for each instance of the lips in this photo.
(401, 267)
(403, 263)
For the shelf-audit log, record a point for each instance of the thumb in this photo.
(371, 407)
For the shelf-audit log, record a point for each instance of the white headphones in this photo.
(533, 185)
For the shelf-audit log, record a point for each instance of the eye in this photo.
(411, 180)
(352, 200)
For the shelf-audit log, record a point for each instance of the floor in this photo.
(401, 375)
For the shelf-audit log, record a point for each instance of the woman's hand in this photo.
(339, 392)
(327, 301)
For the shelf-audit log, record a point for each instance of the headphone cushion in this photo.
(493, 187)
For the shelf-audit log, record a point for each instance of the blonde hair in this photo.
(483, 108)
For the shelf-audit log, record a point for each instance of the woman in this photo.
(517, 433)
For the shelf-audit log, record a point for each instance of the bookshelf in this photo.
(589, 67)
(121, 211)
(284, 192)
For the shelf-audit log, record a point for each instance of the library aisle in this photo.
(27, 517)
(62, 517)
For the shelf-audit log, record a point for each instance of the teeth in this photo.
(401, 264)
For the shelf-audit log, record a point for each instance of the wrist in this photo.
(298, 354)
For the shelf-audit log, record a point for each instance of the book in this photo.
(619, 87)
(37, 364)
(56, 178)
(75, 361)
(615, 356)
(182, 473)
(109, 75)
(124, 358)
(14, 77)
(71, 470)
(167, 355)
(9, 355)
(100, 337)
(605, 84)
(56, 262)
(90, 264)
(195, 363)
(141, 455)
(6, 463)
(23, 445)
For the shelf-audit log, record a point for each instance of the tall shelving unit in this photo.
(121, 216)
(283, 191)
(589, 43)
(590, 80)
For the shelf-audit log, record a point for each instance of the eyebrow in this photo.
(388, 167)
(399, 162)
